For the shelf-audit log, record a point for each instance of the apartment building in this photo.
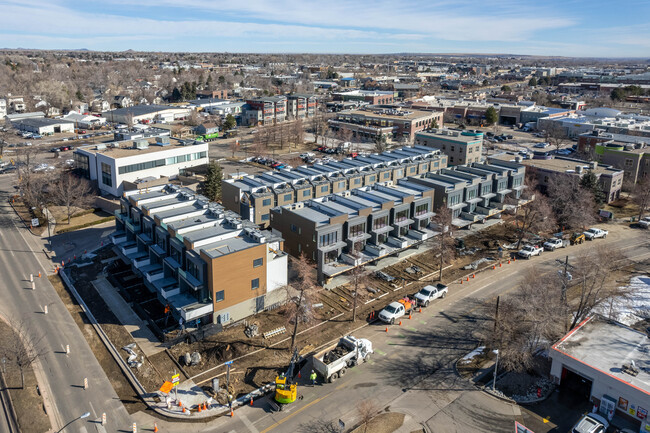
(301, 106)
(253, 197)
(372, 97)
(374, 123)
(462, 147)
(544, 170)
(206, 263)
(348, 229)
(265, 111)
(134, 161)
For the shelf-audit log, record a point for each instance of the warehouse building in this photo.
(205, 262)
(44, 126)
(147, 114)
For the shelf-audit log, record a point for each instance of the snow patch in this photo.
(473, 354)
(633, 307)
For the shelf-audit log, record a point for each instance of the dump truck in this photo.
(333, 361)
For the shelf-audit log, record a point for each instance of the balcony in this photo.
(120, 216)
(129, 248)
(132, 227)
(190, 279)
(118, 237)
(189, 308)
(416, 234)
(141, 261)
(396, 242)
(173, 264)
(153, 272)
(167, 287)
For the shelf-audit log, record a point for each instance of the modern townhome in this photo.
(136, 161)
(253, 196)
(205, 262)
(463, 147)
(544, 170)
(301, 106)
(351, 228)
(265, 111)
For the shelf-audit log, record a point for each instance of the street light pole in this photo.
(85, 415)
(496, 368)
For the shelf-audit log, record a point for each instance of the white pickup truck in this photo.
(594, 233)
(553, 244)
(530, 250)
(333, 361)
(392, 312)
(644, 222)
(430, 293)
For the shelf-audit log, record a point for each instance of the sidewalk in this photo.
(138, 329)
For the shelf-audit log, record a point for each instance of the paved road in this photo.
(412, 371)
(60, 375)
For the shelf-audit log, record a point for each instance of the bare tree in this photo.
(359, 276)
(536, 216)
(234, 147)
(298, 132)
(299, 307)
(591, 274)
(573, 205)
(555, 135)
(23, 349)
(72, 192)
(367, 410)
(641, 195)
(444, 243)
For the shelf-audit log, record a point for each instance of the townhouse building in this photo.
(372, 97)
(362, 225)
(253, 197)
(376, 123)
(462, 147)
(205, 262)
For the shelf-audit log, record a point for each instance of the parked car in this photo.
(37, 136)
(564, 152)
(307, 155)
(530, 250)
(392, 312)
(644, 222)
(594, 233)
(384, 276)
(63, 148)
(591, 423)
(553, 244)
(55, 150)
(430, 293)
(541, 145)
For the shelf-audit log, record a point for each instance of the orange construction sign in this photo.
(166, 387)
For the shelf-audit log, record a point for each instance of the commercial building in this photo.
(84, 121)
(608, 364)
(112, 164)
(376, 123)
(604, 119)
(372, 97)
(462, 147)
(146, 114)
(265, 111)
(254, 196)
(205, 262)
(43, 126)
(554, 169)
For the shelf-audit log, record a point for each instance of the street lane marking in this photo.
(283, 420)
(248, 424)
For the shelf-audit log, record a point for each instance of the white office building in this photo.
(112, 164)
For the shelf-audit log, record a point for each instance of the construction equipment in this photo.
(286, 391)
(577, 238)
(333, 361)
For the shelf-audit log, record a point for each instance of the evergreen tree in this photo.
(211, 187)
(491, 116)
(176, 95)
(229, 123)
(532, 82)
(590, 182)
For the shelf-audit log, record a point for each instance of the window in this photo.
(401, 215)
(470, 149)
(357, 230)
(628, 162)
(545, 179)
(288, 197)
(471, 194)
(324, 188)
(451, 159)
(421, 209)
(357, 181)
(454, 199)
(266, 217)
(342, 184)
(219, 296)
(255, 283)
(107, 179)
(371, 178)
(293, 228)
(452, 148)
(386, 175)
(306, 193)
(486, 189)
(258, 262)
(380, 222)
(328, 239)
(266, 202)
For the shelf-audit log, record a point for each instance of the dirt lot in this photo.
(27, 402)
(27, 214)
(382, 423)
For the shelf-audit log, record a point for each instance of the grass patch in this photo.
(87, 224)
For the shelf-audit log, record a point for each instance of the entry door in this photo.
(259, 303)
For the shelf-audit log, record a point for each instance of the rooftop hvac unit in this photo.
(100, 147)
(162, 140)
(141, 144)
(115, 144)
(298, 205)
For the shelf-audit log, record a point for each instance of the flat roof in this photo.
(39, 122)
(140, 110)
(562, 165)
(407, 114)
(127, 148)
(606, 346)
(451, 135)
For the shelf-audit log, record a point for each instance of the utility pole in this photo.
(563, 295)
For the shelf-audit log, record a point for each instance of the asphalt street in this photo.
(60, 375)
(412, 369)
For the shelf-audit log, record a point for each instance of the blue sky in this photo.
(596, 28)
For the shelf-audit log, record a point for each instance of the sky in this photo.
(575, 28)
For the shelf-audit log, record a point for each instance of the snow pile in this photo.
(473, 354)
(633, 307)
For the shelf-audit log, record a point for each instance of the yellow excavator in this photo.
(286, 390)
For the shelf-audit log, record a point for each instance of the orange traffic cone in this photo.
(299, 375)
(179, 403)
(420, 309)
(467, 278)
(387, 329)
(205, 406)
(500, 264)
(473, 275)
(409, 317)
(461, 281)
(494, 266)
(183, 409)
(508, 261)
(232, 414)
(39, 275)
(155, 428)
(400, 323)
(251, 401)
(200, 408)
